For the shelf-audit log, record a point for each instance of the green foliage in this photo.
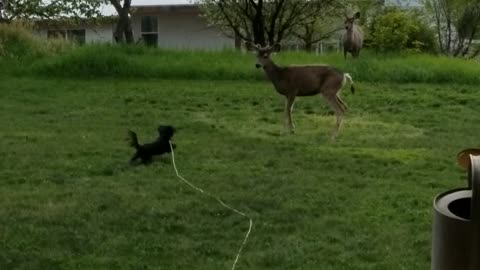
(142, 62)
(17, 42)
(457, 23)
(399, 30)
(262, 20)
(39, 9)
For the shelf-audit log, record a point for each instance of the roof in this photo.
(108, 10)
(404, 3)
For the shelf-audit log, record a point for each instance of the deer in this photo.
(303, 80)
(353, 36)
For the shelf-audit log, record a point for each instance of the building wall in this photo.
(93, 34)
(99, 34)
(184, 31)
(176, 30)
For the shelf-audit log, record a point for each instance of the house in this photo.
(165, 24)
(178, 26)
(85, 31)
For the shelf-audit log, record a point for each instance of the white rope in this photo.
(221, 202)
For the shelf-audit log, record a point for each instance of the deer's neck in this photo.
(350, 34)
(275, 74)
(272, 71)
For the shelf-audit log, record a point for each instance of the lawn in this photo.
(69, 199)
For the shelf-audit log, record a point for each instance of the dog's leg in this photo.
(146, 160)
(135, 157)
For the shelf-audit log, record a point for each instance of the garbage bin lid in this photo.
(442, 202)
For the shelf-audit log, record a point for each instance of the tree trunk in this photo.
(129, 32)
(123, 30)
(119, 32)
(308, 38)
(238, 42)
(308, 46)
(257, 24)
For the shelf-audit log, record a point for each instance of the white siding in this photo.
(99, 33)
(93, 34)
(184, 31)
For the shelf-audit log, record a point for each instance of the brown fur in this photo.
(308, 80)
(353, 37)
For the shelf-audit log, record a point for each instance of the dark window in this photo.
(150, 39)
(56, 34)
(149, 24)
(76, 35)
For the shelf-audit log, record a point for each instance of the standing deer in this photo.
(353, 37)
(310, 80)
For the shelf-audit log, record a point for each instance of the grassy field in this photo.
(69, 199)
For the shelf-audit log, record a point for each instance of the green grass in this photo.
(69, 200)
(147, 63)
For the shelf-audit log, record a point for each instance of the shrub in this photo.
(18, 42)
(397, 30)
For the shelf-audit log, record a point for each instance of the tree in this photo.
(457, 23)
(322, 26)
(261, 21)
(55, 9)
(123, 30)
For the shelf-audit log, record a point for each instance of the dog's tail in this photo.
(133, 139)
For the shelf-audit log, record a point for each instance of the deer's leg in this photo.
(336, 106)
(344, 106)
(356, 53)
(288, 113)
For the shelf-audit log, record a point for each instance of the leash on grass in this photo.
(218, 200)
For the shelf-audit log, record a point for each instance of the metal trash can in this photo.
(456, 225)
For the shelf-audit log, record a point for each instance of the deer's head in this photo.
(350, 20)
(263, 53)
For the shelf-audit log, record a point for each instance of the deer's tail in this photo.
(347, 77)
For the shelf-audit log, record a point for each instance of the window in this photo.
(149, 24)
(150, 30)
(76, 35)
(150, 39)
(56, 34)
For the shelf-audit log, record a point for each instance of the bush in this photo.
(18, 42)
(397, 30)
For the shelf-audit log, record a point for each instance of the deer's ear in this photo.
(276, 47)
(357, 15)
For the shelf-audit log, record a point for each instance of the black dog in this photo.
(160, 146)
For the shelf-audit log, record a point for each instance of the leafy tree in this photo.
(55, 9)
(323, 25)
(457, 24)
(262, 21)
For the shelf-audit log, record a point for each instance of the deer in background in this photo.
(308, 80)
(353, 37)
